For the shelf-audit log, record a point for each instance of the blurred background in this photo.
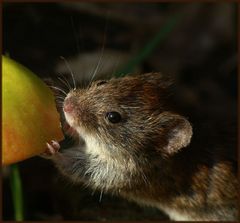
(196, 43)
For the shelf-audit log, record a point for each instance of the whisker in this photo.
(59, 95)
(60, 107)
(93, 192)
(122, 106)
(101, 54)
(57, 88)
(60, 98)
(59, 103)
(98, 64)
(64, 82)
(100, 198)
(145, 178)
(71, 72)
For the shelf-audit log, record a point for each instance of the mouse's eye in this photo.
(101, 83)
(113, 117)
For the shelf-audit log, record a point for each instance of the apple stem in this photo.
(17, 195)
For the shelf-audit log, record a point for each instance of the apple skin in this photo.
(29, 114)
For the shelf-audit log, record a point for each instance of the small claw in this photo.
(55, 145)
(52, 148)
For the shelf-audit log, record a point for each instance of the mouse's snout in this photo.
(79, 112)
(68, 105)
(70, 110)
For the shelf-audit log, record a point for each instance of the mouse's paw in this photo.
(52, 148)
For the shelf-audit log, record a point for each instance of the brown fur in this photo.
(149, 151)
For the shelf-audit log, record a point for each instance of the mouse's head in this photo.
(128, 116)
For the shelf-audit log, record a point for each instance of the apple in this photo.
(29, 114)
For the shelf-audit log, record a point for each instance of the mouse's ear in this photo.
(176, 132)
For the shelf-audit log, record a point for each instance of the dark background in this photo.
(200, 53)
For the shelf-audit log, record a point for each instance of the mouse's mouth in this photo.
(69, 130)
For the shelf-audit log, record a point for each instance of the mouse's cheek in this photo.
(69, 130)
(70, 118)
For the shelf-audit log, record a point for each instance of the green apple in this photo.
(29, 114)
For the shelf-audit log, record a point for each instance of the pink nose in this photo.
(68, 106)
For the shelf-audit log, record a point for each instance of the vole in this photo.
(132, 143)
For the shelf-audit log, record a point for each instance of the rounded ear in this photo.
(177, 132)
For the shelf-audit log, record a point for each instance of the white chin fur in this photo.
(103, 168)
(69, 119)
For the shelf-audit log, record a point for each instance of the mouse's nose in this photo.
(68, 105)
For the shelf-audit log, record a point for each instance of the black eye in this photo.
(113, 117)
(101, 82)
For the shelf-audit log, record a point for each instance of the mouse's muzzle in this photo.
(76, 110)
(68, 105)
(70, 109)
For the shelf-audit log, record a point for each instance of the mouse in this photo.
(131, 142)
